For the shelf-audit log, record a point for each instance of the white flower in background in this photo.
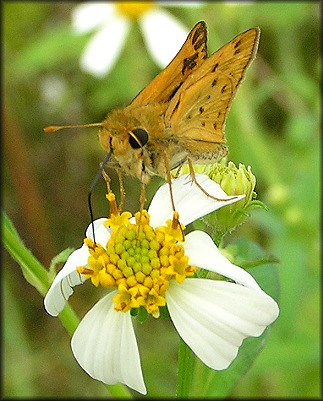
(147, 265)
(163, 34)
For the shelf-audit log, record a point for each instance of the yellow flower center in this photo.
(138, 260)
(133, 9)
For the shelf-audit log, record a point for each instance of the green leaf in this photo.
(256, 203)
(210, 383)
(248, 254)
(59, 45)
(60, 258)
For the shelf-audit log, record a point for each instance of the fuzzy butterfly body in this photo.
(182, 112)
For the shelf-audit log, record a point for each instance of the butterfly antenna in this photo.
(93, 184)
(54, 128)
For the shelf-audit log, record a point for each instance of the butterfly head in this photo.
(126, 142)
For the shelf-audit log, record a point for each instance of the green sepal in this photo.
(141, 314)
(163, 310)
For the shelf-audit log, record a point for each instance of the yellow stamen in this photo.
(113, 204)
(172, 231)
(133, 9)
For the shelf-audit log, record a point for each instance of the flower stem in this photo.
(184, 370)
(33, 271)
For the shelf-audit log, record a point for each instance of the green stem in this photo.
(33, 271)
(184, 370)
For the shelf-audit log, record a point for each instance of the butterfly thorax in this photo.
(119, 135)
(143, 158)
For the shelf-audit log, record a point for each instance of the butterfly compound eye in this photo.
(138, 138)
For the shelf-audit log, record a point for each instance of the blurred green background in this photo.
(273, 125)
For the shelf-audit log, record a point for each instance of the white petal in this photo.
(102, 233)
(164, 35)
(190, 202)
(104, 47)
(61, 288)
(104, 344)
(88, 16)
(202, 252)
(213, 317)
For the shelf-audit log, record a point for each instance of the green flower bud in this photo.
(233, 181)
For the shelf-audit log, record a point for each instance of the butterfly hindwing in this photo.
(199, 108)
(192, 54)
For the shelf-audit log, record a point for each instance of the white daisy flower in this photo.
(162, 32)
(147, 264)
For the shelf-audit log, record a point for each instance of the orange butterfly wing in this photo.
(198, 110)
(191, 55)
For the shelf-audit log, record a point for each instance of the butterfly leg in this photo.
(142, 196)
(107, 180)
(169, 179)
(142, 203)
(122, 190)
(178, 171)
(114, 210)
(175, 222)
(192, 174)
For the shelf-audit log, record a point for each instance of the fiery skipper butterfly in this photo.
(180, 116)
